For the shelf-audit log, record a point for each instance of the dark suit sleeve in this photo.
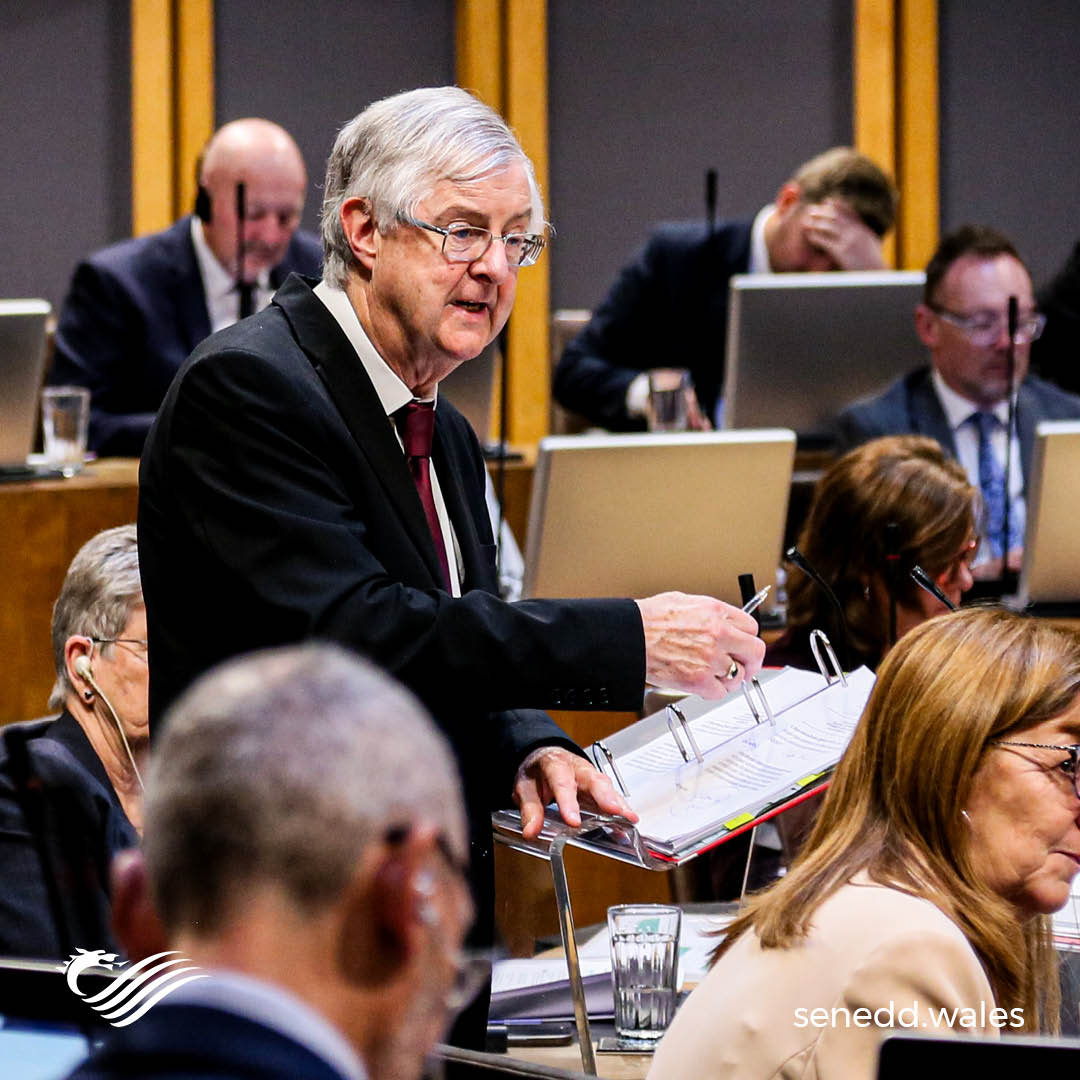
(856, 425)
(293, 536)
(100, 343)
(622, 339)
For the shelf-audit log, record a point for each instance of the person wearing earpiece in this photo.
(71, 787)
(136, 309)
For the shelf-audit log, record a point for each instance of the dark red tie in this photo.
(416, 425)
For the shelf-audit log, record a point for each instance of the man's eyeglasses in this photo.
(467, 243)
(140, 646)
(1070, 766)
(985, 328)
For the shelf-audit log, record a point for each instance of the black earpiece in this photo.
(204, 209)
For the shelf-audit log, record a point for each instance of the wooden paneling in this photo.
(45, 523)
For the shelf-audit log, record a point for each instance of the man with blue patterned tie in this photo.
(962, 398)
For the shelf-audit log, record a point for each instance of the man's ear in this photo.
(358, 223)
(135, 921)
(75, 647)
(926, 326)
(387, 908)
(788, 196)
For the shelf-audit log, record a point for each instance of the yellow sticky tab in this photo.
(809, 779)
(735, 822)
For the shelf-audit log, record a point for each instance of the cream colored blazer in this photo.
(876, 960)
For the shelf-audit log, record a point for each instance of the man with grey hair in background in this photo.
(301, 478)
(297, 854)
(70, 787)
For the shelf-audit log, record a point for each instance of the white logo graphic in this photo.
(136, 989)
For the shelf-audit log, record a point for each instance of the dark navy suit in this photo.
(83, 824)
(133, 314)
(196, 1042)
(910, 406)
(668, 308)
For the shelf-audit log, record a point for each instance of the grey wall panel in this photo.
(64, 112)
(1010, 124)
(312, 66)
(646, 96)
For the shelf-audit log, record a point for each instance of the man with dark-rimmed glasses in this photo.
(962, 398)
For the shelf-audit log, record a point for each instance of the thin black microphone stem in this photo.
(925, 581)
(797, 558)
(710, 199)
(241, 219)
(892, 565)
(1014, 318)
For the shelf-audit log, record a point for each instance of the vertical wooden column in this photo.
(896, 114)
(152, 133)
(918, 168)
(502, 57)
(527, 112)
(172, 105)
(194, 100)
(875, 88)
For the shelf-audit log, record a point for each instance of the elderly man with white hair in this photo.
(302, 480)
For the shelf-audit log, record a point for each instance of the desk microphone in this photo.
(892, 576)
(243, 289)
(797, 558)
(1010, 360)
(710, 199)
(925, 581)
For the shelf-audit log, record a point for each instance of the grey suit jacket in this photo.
(910, 406)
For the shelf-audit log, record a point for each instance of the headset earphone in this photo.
(85, 671)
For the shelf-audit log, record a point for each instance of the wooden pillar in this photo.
(896, 114)
(172, 105)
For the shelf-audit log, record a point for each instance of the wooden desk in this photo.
(42, 525)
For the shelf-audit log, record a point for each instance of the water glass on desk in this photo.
(65, 416)
(668, 405)
(644, 967)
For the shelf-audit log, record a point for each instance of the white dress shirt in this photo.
(219, 286)
(958, 410)
(393, 395)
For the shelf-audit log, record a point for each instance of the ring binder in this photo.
(674, 711)
(818, 640)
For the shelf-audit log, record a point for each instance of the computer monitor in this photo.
(22, 368)
(801, 347)
(1050, 573)
(634, 515)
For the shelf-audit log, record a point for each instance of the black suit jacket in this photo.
(196, 1042)
(82, 825)
(910, 406)
(133, 314)
(668, 308)
(1056, 355)
(275, 505)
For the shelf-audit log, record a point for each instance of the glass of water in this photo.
(644, 967)
(65, 415)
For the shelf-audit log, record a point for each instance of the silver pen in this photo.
(756, 600)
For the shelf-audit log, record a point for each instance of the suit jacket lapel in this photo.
(925, 414)
(476, 565)
(334, 359)
(186, 285)
(1027, 414)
